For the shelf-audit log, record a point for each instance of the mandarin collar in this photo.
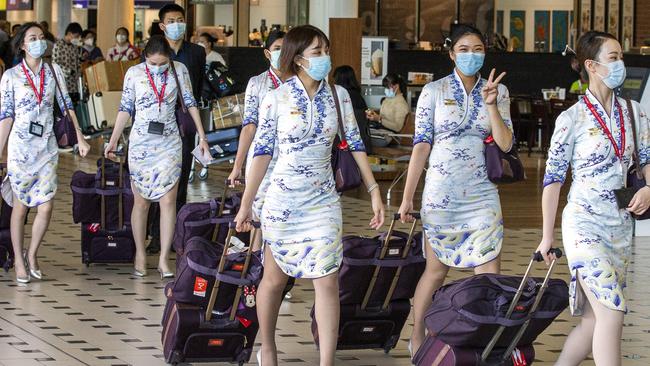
(40, 66)
(297, 83)
(592, 98)
(460, 82)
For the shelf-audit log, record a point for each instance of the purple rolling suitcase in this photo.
(377, 317)
(491, 319)
(202, 219)
(193, 333)
(6, 247)
(102, 243)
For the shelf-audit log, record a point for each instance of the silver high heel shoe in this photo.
(26, 279)
(164, 275)
(410, 347)
(259, 357)
(36, 273)
(139, 273)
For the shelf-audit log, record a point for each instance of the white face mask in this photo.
(77, 42)
(89, 42)
(121, 38)
(157, 69)
(37, 48)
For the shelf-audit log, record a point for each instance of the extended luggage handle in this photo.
(120, 187)
(222, 264)
(222, 205)
(382, 255)
(536, 257)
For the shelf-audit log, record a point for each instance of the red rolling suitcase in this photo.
(106, 244)
(377, 320)
(195, 334)
(513, 324)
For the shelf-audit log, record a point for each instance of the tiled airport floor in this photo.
(103, 315)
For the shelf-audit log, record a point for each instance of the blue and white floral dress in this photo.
(461, 212)
(154, 160)
(301, 216)
(258, 87)
(31, 160)
(596, 234)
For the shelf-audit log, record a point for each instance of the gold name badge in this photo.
(450, 101)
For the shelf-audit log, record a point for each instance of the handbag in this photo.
(503, 167)
(346, 172)
(635, 178)
(184, 120)
(64, 130)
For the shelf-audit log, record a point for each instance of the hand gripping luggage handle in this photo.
(382, 255)
(536, 257)
(120, 221)
(222, 264)
(222, 205)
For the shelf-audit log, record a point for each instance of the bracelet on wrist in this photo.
(372, 187)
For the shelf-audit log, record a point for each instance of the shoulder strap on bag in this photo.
(635, 155)
(64, 110)
(178, 86)
(339, 115)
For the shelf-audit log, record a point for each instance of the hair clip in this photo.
(567, 48)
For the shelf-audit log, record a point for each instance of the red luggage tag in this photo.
(93, 228)
(245, 322)
(518, 358)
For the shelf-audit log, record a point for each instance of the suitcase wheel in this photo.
(191, 179)
(203, 174)
(390, 344)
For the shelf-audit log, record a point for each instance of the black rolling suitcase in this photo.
(108, 243)
(377, 320)
(193, 334)
(6, 247)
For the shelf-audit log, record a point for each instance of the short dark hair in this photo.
(158, 45)
(273, 36)
(73, 28)
(392, 79)
(87, 32)
(210, 39)
(461, 30)
(588, 48)
(345, 77)
(169, 8)
(16, 26)
(296, 41)
(122, 29)
(19, 39)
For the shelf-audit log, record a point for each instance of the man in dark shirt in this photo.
(172, 22)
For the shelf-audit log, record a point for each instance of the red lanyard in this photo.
(39, 94)
(160, 96)
(618, 151)
(274, 80)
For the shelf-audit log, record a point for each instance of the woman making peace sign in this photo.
(461, 213)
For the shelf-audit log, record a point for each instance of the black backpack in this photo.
(219, 82)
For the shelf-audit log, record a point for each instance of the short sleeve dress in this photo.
(461, 212)
(301, 215)
(596, 234)
(258, 87)
(154, 160)
(32, 160)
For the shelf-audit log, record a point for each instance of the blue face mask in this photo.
(275, 59)
(36, 48)
(319, 67)
(175, 31)
(389, 92)
(616, 75)
(469, 63)
(157, 69)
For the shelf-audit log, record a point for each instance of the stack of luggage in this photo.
(377, 278)
(210, 315)
(6, 247)
(102, 204)
(491, 319)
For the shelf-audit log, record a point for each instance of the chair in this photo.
(522, 123)
(540, 117)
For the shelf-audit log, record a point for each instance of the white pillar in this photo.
(320, 11)
(43, 11)
(64, 13)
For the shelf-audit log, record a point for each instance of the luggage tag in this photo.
(156, 128)
(518, 358)
(36, 129)
(249, 296)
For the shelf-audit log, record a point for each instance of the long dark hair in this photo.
(158, 45)
(296, 41)
(19, 39)
(345, 77)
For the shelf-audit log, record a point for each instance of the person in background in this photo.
(345, 77)
(595, 137)
(46, 29)
(208, 43)
(67, 54)
(150, 95)
(301, 218)
(394, 108)
(5, 43)
(172, 22)
(28, 96)
(461, 210)
(581, 85)
(122, 50)
(14, 30)
(90, 53)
